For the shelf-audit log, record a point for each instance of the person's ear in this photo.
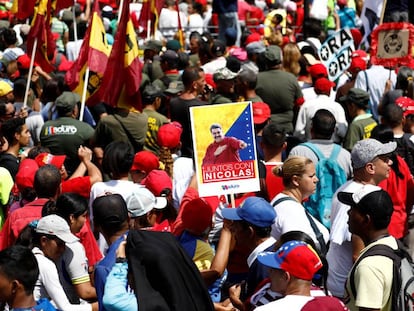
(370, 168)
(43, 240)
(71, 219)
(295, 180)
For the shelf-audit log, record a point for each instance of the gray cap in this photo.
(256, 47)
(67, 101)
(141, 201)
(364, 151)
(154, 45)
(356, 96)
(224, 74)
(57, 226)
(273, 53)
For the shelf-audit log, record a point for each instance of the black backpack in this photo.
(403, 275)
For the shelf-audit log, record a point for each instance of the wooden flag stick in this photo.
(29, 77)
(85, 88)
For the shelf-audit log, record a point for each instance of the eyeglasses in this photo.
(384, 157)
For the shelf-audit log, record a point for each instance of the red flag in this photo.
(122, 77)
(94, 54)
(23, 8)
(63, 4)
(150, 11)
(40, 31)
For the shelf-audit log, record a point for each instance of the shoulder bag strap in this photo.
(318, 233)
(136, 146)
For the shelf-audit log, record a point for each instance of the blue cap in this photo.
(254, 210)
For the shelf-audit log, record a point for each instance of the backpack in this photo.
(331, 176)
(403, 275)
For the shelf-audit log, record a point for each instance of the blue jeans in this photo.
(228, 20)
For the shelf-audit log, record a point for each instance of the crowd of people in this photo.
(104, 213)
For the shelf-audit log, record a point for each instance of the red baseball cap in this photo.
(169, 135)
(145, 161)
(253, 38)
(261, 112)
(26, 173)
(360, 53)
(197, 216)
(357, 63)
(318, 71)
(323, 85)
(156, 181)
(406, 104)
(47, 158)
(295, 257)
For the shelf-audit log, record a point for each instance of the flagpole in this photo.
(149, 21)
(120, 10)
(29, 77)
(75, 28)
(384, 4)
(85, 88)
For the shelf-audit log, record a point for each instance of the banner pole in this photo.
(85, 88)
(384, 4)
(29, 77)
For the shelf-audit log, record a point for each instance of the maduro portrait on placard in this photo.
(224, 148)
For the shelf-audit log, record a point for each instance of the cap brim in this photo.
(343, 99)
(346, 198)
(230, 214)
(269, 259)
(172, 91)
(388, 147)
(160, 202)
(67, 237)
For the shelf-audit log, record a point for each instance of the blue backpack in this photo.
(331, 176)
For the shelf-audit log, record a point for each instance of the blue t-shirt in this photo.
(43, 304)
(103, 268)
(224, 6)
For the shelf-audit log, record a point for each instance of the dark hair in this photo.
(385, 134)
(47, 181)
(189, 76)
(9, 36)
(118, 158)
(404, 79)
(323, 124)
(392, 115)
(248, 76)
(110, 213)
(183, 60)
(18, 263)
(70, 203)
(215, 126)
(11, 127)
(233, 63)
(51, 90)
(273, 135)
(19, 88)
(261, 232)
(36, 150)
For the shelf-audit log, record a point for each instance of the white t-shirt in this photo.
(48, 285)
(73, 269)
(291, 216)
(289, 302)
(339, 255)
(307, 112)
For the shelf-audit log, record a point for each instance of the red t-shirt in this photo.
(398, 189)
